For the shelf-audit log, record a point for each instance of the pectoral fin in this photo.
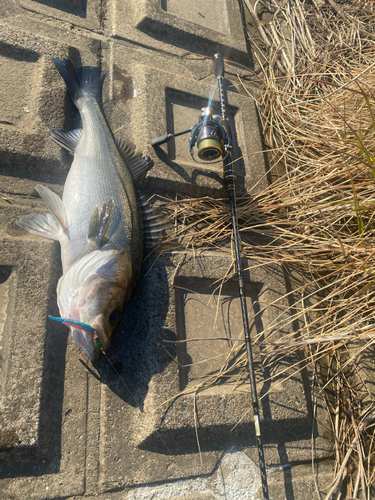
(67, 140)
(99, 223)
(138, 164)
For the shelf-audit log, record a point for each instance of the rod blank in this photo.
(230, 181)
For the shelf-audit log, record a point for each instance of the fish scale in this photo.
(118, 185)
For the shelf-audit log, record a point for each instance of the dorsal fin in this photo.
(126, 147)
(155, 223)
(99, 223)
(67, 140)
(138, 164)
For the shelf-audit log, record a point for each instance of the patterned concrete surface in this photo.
(70, 429)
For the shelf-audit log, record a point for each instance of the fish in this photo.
(100, 220)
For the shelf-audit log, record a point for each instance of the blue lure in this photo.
(79, 324)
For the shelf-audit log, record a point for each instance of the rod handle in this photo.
(157, 141)
(218, 65)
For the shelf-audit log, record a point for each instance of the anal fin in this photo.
(54, 204)
(41, 225)
(67, 140)
(51, 225)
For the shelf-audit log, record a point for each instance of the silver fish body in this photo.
(98, 222)
(97, 175)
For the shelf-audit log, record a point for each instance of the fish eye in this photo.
(114, 316)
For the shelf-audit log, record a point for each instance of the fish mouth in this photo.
(86, 342)
(99, 327)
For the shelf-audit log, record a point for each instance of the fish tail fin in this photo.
(91, 81)
(86, 81)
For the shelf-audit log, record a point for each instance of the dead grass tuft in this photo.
(316, 72)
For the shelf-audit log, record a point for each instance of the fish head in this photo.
(103, 308)
(94, 292)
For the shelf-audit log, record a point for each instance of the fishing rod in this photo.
(210, 141)
(230, 181)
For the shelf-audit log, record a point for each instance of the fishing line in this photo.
(90, 329)
(135, 399)
(123, 381)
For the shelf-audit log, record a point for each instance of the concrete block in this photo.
(25, 291)
(180, 102)
(237, 478)
(203, 28)
(87, 14)
(42, 396)
(38, 102)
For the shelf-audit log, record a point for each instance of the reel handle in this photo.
(157, 141)
(218, 65)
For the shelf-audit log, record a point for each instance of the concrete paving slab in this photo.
(23, 343)
(204, 28)
(60, 471)
(34, 440)
(79, 12)
(27, 153)
(139, 432)
(237, 477)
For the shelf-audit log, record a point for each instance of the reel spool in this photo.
(209, 143)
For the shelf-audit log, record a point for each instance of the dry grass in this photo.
(316, 72)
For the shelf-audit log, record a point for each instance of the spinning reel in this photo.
(209, 141)
(210, 138)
